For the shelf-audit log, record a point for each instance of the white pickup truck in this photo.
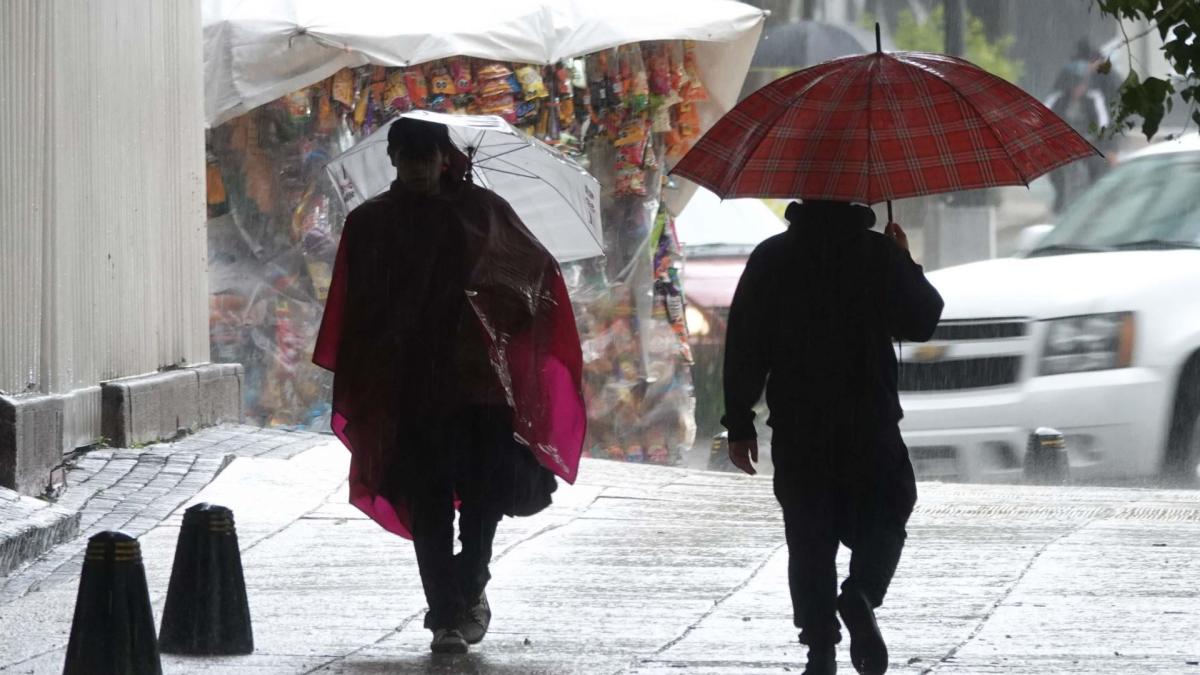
(1095, 332)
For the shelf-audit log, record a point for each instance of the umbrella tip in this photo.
(878, 40)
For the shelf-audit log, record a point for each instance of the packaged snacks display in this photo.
(274, 227)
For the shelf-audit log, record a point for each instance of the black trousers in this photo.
(457, 463)
(859, 496)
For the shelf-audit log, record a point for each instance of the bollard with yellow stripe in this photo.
(207, 612)
(113, 629)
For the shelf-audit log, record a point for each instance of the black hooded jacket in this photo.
(813, 319)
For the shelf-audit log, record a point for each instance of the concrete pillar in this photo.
(959, 235)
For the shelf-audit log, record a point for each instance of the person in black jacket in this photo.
(813, 320)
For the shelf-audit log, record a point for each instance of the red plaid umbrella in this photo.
(878, 127)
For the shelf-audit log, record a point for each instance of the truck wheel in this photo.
(1183, 450)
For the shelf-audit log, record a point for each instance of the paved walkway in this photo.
(642, 569)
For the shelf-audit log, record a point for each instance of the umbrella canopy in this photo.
(878, 127)
(258, 50)
(805, 43)
(556, 198)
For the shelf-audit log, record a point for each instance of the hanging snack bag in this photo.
(527, 112)
(326, 119)
(631, 180)
(658, 69)
(675, 57)
(566, 111)
(396, 94)
(676, 145)
(343, 87)
(503, 105)
(361, 102)
(418, 89)
(531, 83)
(649, 157)
(460, 70)
(660, 119)
(633, 74)
(688, 121)
(695, 90)
(631, 141)
(492, 80)
(441, 83)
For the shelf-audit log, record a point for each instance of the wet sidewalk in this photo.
(643, 569)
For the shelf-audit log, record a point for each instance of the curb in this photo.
(30, 527)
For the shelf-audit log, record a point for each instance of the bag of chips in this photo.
(531, 83)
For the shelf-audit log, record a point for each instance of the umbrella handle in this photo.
(889, 203)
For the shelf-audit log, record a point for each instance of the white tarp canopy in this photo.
(258, 50)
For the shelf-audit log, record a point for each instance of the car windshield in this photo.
(1152, 201)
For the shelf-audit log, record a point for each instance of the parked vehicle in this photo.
(1095, 332)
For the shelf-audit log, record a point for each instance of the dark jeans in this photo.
(456, 464)
(832, 495)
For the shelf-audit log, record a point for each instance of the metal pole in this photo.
(954, 27)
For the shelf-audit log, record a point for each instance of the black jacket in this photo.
(813, 319)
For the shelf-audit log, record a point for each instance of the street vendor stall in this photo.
(623, 87)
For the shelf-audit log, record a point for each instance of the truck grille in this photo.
(961, 374)
(980, 331)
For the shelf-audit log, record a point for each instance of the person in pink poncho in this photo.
(456, 370)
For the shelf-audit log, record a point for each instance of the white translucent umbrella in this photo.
(556, 198)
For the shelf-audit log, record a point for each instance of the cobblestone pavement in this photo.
(651, 570)
(133, 490)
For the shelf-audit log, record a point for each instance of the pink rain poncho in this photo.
(417, 280)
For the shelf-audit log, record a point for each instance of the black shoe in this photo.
(448, 641)
(474, 623)
(868, 652)
(822, 660)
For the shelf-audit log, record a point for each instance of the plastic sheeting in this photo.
(625, 113)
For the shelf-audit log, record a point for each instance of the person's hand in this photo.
(896, 234)
(744, 454)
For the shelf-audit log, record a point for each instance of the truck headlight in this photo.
(1092, 342)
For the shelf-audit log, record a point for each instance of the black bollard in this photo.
(113, 629)
(206, 612)
(1046, 458)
